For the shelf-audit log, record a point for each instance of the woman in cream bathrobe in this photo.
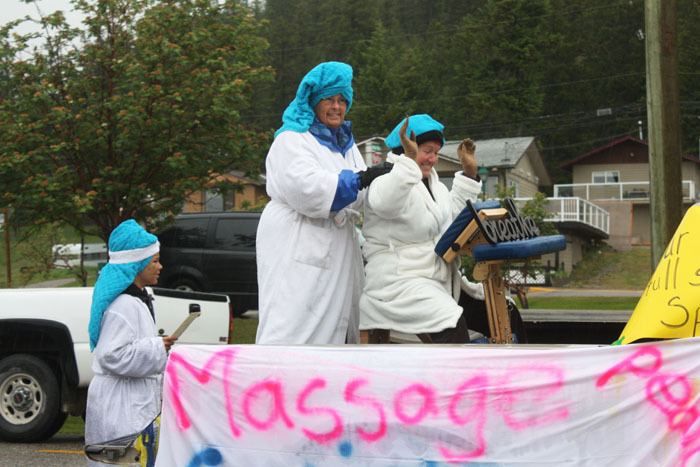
(408, 288)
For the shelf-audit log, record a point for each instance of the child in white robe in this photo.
(124, 396)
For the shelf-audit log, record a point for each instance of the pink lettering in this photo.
(351, 396)
(264, 407)
(637, 368)
(337, 431)
(255, 394)
(670, 393)
(542, 391)
(476, 389)
(202, 376)
(406, 397)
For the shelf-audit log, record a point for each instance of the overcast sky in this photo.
(14, 9)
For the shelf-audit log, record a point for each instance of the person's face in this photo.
(149, 276)
(427, 156)
(331, 110)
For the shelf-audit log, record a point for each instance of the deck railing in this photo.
(572, 209)
(612, 191)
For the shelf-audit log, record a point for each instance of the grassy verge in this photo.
(606, 268)
(584, 303)
(73, 426)
(244, 330)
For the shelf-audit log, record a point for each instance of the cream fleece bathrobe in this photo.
(408, 288)
(309, 260)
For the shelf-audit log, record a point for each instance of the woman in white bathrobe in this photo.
(129, 357)
(308, 256)
(408, 288)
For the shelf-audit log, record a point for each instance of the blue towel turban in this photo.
(131, 248)
(324, 80)
(425, 127)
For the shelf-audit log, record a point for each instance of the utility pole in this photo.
(663, 116)
(8, 260)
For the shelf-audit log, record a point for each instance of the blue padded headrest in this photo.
(460, 223)
(518, 249)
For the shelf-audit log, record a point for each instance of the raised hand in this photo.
(410, 148)
(467, 156)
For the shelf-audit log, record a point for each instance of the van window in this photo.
(236, 234)
(189, 233)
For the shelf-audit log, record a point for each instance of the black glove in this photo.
(367, 176)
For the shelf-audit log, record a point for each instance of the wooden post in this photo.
(489, 273)
(663, 114)
(8, 259)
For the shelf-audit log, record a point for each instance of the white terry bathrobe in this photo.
(309, 260)
(408, 288)
(125, 393)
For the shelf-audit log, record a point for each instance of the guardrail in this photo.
(612, 191)
(574, 209)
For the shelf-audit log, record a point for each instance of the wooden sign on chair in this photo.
(492, 234)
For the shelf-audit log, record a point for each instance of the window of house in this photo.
(229, 200)
(514, 188)
(214, 201)
(606, 176)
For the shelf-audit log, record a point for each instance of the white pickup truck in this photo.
(45, 358)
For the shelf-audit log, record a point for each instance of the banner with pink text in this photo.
(432, 405)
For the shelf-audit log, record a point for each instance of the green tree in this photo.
(127, 115)
(688, 66)
(598, 63)
(497, 67)
(380, 85)
(303, 33)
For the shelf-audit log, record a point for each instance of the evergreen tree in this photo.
(379, 87)
(497, 82)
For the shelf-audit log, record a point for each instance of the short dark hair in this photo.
(432, 135)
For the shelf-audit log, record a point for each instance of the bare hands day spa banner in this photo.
(401, 405)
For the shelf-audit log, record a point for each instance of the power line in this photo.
(589, 141)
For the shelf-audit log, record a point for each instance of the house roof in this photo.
(611, 144)
(502, 152)
(371, 140)
(603, 148)
(240, 175)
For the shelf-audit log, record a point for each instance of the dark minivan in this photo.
(212, 252)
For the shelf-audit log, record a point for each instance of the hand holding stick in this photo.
(168, 342)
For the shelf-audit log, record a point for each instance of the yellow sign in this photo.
(670, 304)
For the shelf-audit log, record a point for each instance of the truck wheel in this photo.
(30, 401)
(185, 285)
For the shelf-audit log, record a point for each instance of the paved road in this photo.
(560, 292)
(59, 451)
